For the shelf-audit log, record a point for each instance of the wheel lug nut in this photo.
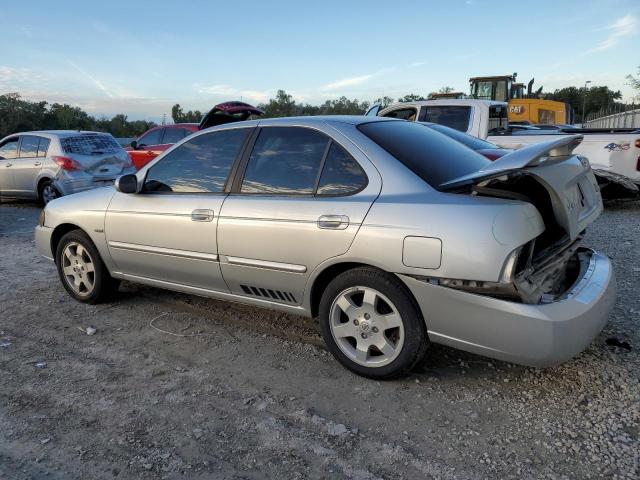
(363, 335)
(374, 329)
(356, 322)
(367, 316)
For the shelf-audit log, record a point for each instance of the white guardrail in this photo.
(628, 119)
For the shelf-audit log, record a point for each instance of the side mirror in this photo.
(134, 144)
(127, 184)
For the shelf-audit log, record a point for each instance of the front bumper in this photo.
(535, 335)
(43, 241)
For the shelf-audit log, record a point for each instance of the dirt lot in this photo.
(248, 393)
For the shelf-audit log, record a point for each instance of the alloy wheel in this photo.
(78, 269)
(366, 326)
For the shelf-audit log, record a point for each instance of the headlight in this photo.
(41, 218)
(509, 268)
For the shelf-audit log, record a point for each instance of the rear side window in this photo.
(404, 114)
(43, 146)
(432, 156)
(29, 146)
(200, 165)
(341, 174)
(9, 149)
(154, 137)
(285, 160)
(173, 135)
(456, 117)
(90, 144)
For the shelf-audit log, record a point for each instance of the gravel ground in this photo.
(249, 393)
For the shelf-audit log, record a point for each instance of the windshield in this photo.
(465, 139)
(432, 156)
(90, 144)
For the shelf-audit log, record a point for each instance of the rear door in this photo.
(299, 200)
(27, 166)
(8, 156)
(167, 232)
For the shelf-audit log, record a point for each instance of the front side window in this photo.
(9, 149)
(341, 174)
(43, 146)
(200, 165)
(432, 156)
(285, 160)
(154, 137)
(173, 135)
(456, 117)
(404, 114)
(29, 146)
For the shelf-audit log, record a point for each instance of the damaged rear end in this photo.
(564, 190)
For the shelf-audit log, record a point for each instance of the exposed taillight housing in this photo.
(638, 143)
(66, 163)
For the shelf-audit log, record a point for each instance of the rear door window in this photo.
(9, 149)
(456, 117)
(173, 134)
(286, 161)
(432, 156)
(200, 165)
(154, 137)
(29, 146)
(90, 144)
(43, 147)
(341, 174)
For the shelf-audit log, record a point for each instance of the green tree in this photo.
(412, 97)
(635, 82)
(446, 89)
(282, 106)
(598, 99)
(180, 116)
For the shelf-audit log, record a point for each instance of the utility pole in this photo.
(584, 100)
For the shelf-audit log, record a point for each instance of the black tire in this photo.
(47, 184)
(415, 342)
(104, 287)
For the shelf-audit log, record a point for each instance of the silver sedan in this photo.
(391, 234)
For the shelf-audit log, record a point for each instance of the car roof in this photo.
(448, 102)
(349, 119)
(59, 133)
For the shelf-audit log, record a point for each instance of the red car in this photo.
(158, 139)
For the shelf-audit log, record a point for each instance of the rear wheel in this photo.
(48, 192)
(371, 324)
(81, 270)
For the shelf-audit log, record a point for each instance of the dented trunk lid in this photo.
(97, 153)
(568, 179)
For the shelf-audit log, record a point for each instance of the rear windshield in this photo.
(432, 156)
(456, 117)
(90, 144)
(465, 139)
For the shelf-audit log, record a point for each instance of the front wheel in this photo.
(81, 270)
(371, 324)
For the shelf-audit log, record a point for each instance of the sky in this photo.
(141, 57)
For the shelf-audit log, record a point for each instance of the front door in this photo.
(27, 166)
(167, 232)
(8, 155)
(300, 201)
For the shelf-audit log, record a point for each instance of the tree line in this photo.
(17, 114)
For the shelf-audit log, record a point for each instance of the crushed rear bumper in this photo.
(536, 335)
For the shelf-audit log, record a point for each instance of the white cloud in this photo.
(16, 79)
(622, 27)
(417, 64)
(346, 82)
(257, 96)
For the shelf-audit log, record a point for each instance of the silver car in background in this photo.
(391, 234)
(45, 165)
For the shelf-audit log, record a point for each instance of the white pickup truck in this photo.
(614, 154)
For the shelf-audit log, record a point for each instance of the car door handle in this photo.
(335, 222)
(202, 215)
(37, 164)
